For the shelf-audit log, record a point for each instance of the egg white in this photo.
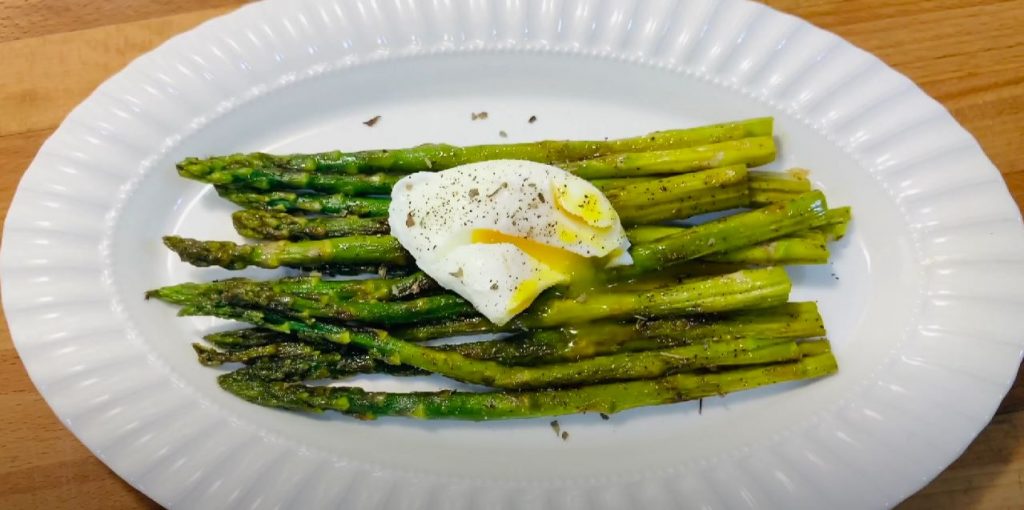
(500, 232)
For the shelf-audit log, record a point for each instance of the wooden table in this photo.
(969, 54)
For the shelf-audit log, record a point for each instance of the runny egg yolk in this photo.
(564, 266)
(583, 204)
(558, 259)
(501, 232)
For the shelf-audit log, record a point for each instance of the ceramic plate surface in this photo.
(922, 300)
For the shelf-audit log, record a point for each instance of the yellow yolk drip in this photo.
(563, 266)
(559, 260)
(526, 292)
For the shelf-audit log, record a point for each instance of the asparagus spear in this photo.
(731, 232)
(755, 287)
(833, 225)
(792, 180)
(749, 151)
(681, 196)
(612, 183)
(247, 338)
(312, 287)
(751, 288)
(836, 222)
(765, 187)
(288, 201)
(743, 289)
(336, 204)
(805, 248)
(283, 226)
(663, 199)
(709, 242)
(677, 187)
(374, 289)
(272, 179)
(623, 366)
(353, 250)
(268, 295)
(212, 357)
(284, 201)
(762, 198)
(288, 362)
(791, 320)
(301, 361)
(604, 398)
(440, 156)
(715, 200)
(382, 346)
(538, 347)
(425, 309)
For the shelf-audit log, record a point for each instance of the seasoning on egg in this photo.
(540, 226)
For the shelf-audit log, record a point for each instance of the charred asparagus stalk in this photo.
(605, 398)
(433, 157)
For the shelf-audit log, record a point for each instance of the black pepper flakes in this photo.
(473, 193)
(533, 118)
(556, 427)
(478, 116)
(495, 192)
(373, 121)
(494, 286)
(503, 134)
(565, 435)
(604, 417)
(409, 221)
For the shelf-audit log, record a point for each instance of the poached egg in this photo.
(498, 233)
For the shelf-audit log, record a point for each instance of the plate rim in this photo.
(254, 11)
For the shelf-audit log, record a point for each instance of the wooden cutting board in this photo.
(969, 54)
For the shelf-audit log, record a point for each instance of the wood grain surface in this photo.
(968, 54)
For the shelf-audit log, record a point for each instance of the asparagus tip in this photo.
(265, 225)
(207, 253)
(271, 394)
(207, 356)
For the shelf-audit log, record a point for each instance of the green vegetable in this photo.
(690, 318)
(334, 364)
(441, 156)
(770, 187)
(282, 226)
(681, 196)
(791, 320)
(742, 289)
(731, 232)
(536, 347)
(749, 151)
(289, 201)
(273, 179)
(604, 398)
(353, 250)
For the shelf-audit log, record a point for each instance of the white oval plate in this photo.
(922, 300)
